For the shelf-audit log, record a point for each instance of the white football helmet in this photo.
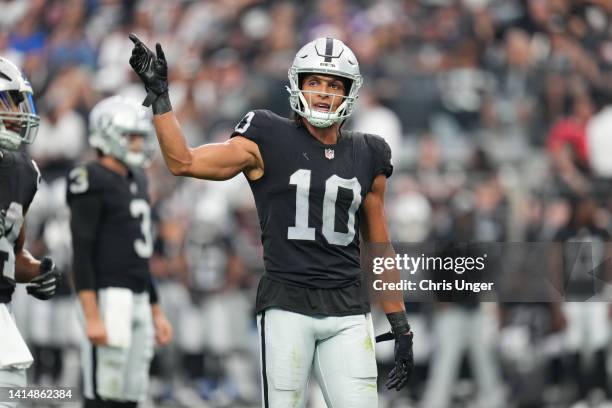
(112, 121)
(18, 118)
(326, 56)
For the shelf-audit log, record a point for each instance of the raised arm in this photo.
(215, 161)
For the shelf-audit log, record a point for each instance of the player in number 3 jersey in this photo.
(111, 238)
(318, 191)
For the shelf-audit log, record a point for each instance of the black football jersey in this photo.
(111, 228)
(19, 179)
(309, 202)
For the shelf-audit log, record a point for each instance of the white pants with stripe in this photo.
(340, 350)
(120, 373)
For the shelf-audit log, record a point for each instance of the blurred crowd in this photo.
(499, 116)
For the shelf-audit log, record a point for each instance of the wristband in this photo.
(399, 323)
(162, 104)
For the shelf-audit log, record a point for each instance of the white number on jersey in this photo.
(79, 182)
(301, 230)
(12, 222)
(301, 179)
(140, 208)
(245, 122)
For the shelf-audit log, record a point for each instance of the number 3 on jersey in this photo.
(301, 230)
(140, 208)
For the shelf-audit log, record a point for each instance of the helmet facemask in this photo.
(300, 100)
(329, 57)
(18, 119)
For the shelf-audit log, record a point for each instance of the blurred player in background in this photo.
(586, 271)
(112, 242)
(313, 184)
(19, 179)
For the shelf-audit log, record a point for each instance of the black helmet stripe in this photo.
(329, 49)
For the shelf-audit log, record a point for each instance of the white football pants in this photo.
(14, 354)
(12, 377)
(120, 373)
(340, 349)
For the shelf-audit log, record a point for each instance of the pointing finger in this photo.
(135, 39)
(160, 52)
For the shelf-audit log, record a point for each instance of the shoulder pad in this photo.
(38, 175)
(256, 124)
(31, 182)
(381, 154)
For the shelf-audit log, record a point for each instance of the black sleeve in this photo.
(252, 126)
(381, 156)
(153, 296)
(85, 205)
(34, 179)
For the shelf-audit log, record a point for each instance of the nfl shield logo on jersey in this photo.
(329, 154)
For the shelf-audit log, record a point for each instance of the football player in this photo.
(112, 243)
(315, 187)
(19, 179)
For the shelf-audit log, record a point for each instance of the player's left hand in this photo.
(163, 329)
(44, 285)
(404, 362)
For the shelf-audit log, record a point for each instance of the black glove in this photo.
(43, 286)
(404, 362)
(404, 358)
(153, 71)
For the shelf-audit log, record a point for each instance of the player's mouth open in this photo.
(323, 107)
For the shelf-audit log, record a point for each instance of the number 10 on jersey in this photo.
(301, 230)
